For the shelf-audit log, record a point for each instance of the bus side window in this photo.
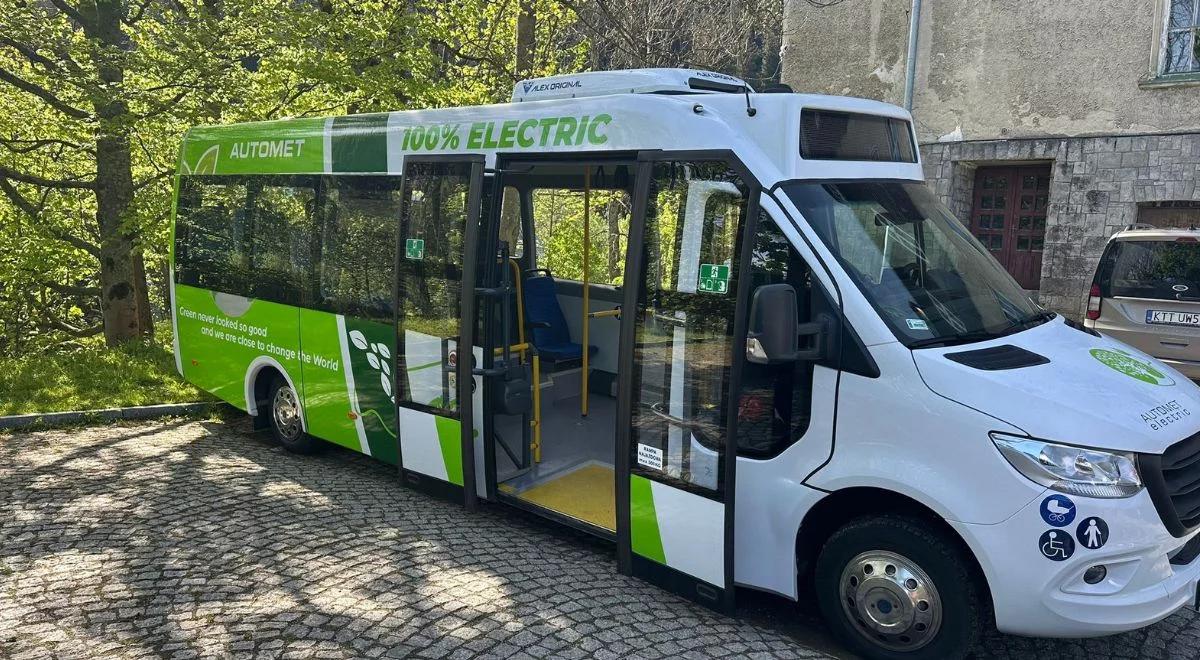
(775, 401)
(209, 251)
(358, 246)
(279, 226)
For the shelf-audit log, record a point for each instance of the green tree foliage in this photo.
(98, 94)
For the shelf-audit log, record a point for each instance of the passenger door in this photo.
(675, 452)
(435, 324)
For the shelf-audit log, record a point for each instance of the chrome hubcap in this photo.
(286, 410)
(891, 600)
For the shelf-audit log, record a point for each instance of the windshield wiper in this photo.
(955, 339)
(984, 335)
(1035, 319)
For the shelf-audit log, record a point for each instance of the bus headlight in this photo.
(1074, 470)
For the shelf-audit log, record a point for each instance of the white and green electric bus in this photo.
(732, 332)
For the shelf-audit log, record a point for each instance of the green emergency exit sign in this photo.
(714, 278)
(414, 249)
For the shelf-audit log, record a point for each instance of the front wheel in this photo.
(285, 416)
(895, 587)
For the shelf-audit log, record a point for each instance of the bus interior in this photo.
(560, 241)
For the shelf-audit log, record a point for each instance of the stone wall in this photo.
(1097, 185)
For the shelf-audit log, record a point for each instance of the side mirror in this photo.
(771, 336)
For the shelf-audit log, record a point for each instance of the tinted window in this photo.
(249, 236)
(210, 236)
(1150, 269)
(279, 227)
(828, 135)
(358, 251)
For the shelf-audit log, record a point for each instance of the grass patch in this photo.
(90, 376)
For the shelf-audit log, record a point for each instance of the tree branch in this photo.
(35, 212)
(6, 173)
(44, 94)
(72, 290)
(73, 13)
(26, 146)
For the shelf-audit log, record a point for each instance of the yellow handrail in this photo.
(516, 268)
(587, 245)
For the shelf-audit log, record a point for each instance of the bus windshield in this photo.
(918, 266)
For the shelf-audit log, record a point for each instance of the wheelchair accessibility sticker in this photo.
(1056, 545)
(1058, 510)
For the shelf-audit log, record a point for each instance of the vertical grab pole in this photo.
(587, 248)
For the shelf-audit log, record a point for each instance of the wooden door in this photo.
(1008, 216)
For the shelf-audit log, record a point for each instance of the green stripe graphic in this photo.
(643, 521)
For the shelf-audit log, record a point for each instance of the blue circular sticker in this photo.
(1056, 544)
(1058, 510)
(1092, 533)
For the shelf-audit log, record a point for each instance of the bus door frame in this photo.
(466, 328)
(628, 563)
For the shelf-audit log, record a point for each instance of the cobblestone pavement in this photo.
(200, 539)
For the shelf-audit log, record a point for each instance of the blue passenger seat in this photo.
(546, 322)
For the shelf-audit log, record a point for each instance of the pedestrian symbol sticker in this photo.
(1058, 510)
(414, 249)
(1056, 545)
(1092, 533)
(714, 278)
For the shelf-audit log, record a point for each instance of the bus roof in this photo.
(767, 140)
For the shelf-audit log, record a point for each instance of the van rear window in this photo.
(1152, 269)
(832, 135)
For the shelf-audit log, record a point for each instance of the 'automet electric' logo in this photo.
(549, 87)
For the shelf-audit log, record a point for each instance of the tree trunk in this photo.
(141, 289)
(114, 182)
(526, 36)
(612, 213)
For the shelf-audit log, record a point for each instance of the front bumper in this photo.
(1033, 595)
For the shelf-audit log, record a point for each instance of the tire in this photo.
(896, 587)
(284, 416)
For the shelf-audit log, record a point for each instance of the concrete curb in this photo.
(16, 422)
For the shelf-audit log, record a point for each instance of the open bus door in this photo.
(436, 267)
(676, 450)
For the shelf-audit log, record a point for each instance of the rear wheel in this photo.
(286, 419)
(896, 587)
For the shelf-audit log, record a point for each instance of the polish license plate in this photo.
(1162, 317)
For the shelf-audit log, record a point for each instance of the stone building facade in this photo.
(1045, 127)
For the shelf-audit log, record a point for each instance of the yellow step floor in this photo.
(586, 493)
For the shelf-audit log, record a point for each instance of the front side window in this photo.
(929, 279)
(1183, 37)
(775, 402)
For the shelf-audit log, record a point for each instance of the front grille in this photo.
(1173, 481)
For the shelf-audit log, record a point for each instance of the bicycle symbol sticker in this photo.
(1058, 510)
(1056, 545)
